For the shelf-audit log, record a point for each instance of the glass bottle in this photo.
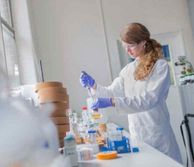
(119, 133)
(92, 136)
(70, 149)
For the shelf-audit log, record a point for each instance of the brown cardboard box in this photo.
(42, 85)
(56, 105)
(61, 137)
(60, 106)
(62, 128)
(61, 143)
(52, 90)
(60, 113)
(60, 120)
(58, 97)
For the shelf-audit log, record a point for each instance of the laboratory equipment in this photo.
(86, 117)
(70, 149)
(121, 146)
(85, 114)
(102, 129)
(85, 153)
(135, 149)
(119, 133)
(107, 155)
(95, 114)
(187, 138)
(92, 141)
(92, 136)
(92, 97)
(186, 74)
(117, 142)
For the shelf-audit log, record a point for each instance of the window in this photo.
(8, 51)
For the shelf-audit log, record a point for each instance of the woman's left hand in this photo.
(102, 103)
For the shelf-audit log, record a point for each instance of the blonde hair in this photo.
(136, 33)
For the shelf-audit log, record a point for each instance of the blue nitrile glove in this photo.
(102, 103)
(86, 80)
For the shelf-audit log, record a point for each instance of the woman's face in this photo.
(133, 49)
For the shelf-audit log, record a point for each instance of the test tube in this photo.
(95, 114)
(90, 93)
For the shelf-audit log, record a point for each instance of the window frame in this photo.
(10, 28)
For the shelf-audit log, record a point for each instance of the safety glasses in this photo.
(129, 46)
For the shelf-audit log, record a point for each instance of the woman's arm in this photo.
(114, 90)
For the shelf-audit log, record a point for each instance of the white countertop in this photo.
(147, 157)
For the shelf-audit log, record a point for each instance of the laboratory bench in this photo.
(146, 157)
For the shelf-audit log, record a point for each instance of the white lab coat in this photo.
(145, 102)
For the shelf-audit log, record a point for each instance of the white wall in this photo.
(191, 12)
(69, 39)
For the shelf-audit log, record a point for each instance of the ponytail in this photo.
(153, 52)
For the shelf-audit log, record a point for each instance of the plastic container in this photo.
(92, 136)
(85, 116)
(119, 133)
(70, 149)
(121, 146)
(115, 135)
(107, 155)
(92, 141)
(85, 154)
(117, 142)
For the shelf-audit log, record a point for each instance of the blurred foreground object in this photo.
(28, 137)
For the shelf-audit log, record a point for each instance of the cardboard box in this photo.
(61, 143)
(60, 120)
(58, 97)
(55, 105)
(52, 90)
(42, 85)
(62, 128)
(60, 113)
(61, 136)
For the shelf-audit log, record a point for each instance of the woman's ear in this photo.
(144, 43)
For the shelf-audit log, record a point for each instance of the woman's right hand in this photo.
(86, 80)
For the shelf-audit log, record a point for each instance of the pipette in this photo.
(90, 93)
(95, 114)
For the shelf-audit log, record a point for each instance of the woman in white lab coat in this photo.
(141, 90)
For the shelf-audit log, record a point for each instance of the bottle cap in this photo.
(135, 149)
(84, 108)
(91, 131)
(119, 128)
(69, 137)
